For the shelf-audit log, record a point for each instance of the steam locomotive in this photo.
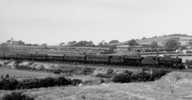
(152, 61)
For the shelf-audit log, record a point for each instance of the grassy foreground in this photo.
(174, 86)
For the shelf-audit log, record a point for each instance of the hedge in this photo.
(8, 83)
(138, 77)
(16, 96)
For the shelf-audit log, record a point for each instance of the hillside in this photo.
(184, 39)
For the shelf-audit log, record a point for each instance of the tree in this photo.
(143, 38)
(20, 42)
(90, 43)
(12, 42)
(81, 43)
(103, 43)
(62, 44)
(172, 44)
(190, 43)
(71, 43)
(113, 41)
(132, 42)
(44, 45)
(4, 48)
(154, 44)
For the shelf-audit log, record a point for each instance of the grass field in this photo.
(24, 74)
(169, 87)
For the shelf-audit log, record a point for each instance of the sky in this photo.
(55, 21)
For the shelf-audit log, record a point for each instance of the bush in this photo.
(128, 72)
(17, 96)
(58, 71)
(8, 83)
(143, 76)
(158, 74)
(87, 70)
(188, 62)
(110, 71)
(76, 81)
(101, 75)
(12, 84)
(108, 74)
(121, 78)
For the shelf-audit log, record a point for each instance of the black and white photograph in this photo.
(95, 50)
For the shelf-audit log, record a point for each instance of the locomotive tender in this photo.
(152, 61)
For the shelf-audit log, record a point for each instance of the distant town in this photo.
(175, 43)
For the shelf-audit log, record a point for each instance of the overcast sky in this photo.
(54, 21)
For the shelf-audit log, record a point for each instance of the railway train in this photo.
(137, 61)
